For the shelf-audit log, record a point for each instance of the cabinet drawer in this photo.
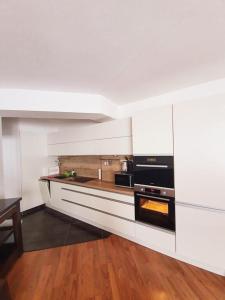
(99, 203)
(155, 237)
(111, 223)
(110, 195)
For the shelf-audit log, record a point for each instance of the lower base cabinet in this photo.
(116, 215)
(156, 238)
(107, 221)
(200, 235)
(112, 212)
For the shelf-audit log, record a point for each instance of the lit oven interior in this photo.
(155, 206)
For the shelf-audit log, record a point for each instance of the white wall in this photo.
(1, 164)
(34, 157)
(11, 158)
(25, 156)
(212, 89)
(34, 164)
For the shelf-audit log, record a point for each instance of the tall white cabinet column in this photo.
(199, 129)
(199, 152)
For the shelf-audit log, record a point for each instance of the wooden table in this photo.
(10, 251)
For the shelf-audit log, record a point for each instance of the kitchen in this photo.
(137, 188)
(112, 157)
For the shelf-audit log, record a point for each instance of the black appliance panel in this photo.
(156, 210)
(154, 171)
(124, 180)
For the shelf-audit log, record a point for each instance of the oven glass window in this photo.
(154, 206)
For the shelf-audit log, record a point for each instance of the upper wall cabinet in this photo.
(107, 138)
(153, 131)
(199, 151)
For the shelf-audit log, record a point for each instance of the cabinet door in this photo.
(199, 152)
(55, 194)
(119, 146)
(200, 235)
(112, 146)
(105, 130)
(154, 237)
(153, 132)
(75, 148)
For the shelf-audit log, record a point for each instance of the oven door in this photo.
(159, 211)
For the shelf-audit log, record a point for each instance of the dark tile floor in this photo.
(42, 230)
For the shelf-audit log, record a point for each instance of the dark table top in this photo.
(6, 204)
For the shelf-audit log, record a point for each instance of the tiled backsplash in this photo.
(89, 165)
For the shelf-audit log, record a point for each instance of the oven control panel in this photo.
(154, 190)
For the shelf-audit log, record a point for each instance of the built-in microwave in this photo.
(124, 180)
(155, 171)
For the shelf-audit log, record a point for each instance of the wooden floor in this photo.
(113, 268)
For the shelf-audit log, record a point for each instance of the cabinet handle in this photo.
(152, 166)
(178, 203)
(152, 197)
(99, 210)
(97, 196)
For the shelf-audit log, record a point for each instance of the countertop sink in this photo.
(60, 177)
(80, 179)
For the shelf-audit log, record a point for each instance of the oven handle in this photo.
(152, 166)
(152, 197)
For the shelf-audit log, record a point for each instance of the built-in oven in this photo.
(155, 206)
(154, 190)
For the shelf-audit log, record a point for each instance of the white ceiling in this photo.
(125, 50)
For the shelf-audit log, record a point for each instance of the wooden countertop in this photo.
(95, 184)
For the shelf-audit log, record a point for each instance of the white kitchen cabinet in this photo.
(119, 146)
(105, 130)
(156, 238)
(111, 223)
(199, 152)
(102, 201)
(107, 138)
(112, 214)
(153, 131)
(104, 204)
(200, 236)
(45, 191)
(57, 188)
